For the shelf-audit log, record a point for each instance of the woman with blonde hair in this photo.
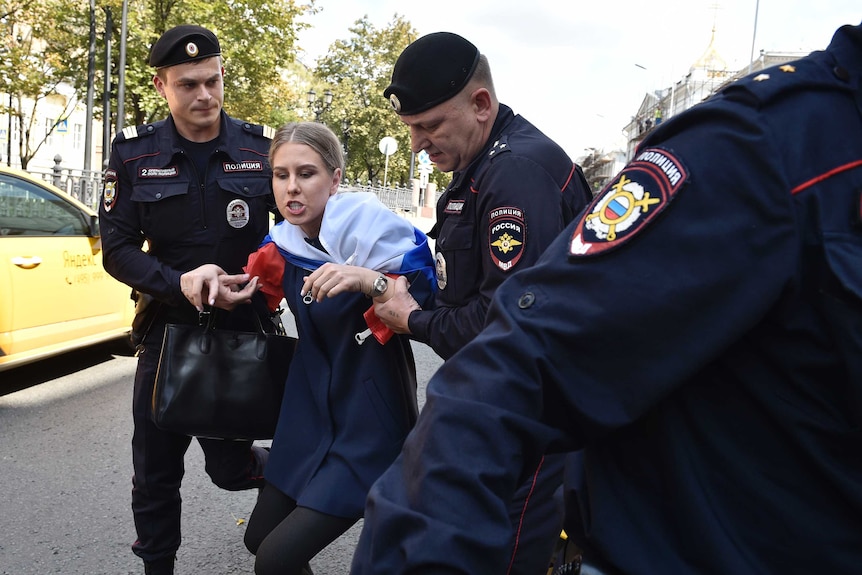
(350, 399)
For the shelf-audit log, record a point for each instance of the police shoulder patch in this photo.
(507, 236)
(109, 190)
(629, 202)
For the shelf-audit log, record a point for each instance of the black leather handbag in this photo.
(221, 383)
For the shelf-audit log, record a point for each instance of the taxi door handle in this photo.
(27, 263)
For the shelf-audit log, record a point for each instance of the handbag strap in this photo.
(275, 317)
(207, 318)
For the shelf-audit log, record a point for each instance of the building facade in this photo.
(705, 77)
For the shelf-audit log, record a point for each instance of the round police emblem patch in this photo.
(237, 213)
(440, 268)
(507, 235)
(192, 49)
(631, 200)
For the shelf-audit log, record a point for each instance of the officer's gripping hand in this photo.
(211, 284)
(395, 311)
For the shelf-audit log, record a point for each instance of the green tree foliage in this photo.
(259, 46)
(258, 39)
(357, 70)
(264, 82)
(46, 45)
(33, 69)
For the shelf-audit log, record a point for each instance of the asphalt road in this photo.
(65, 472)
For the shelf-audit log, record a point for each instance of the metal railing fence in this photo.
(86, 187)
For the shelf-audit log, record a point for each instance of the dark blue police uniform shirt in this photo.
(153, 192)
(697, 330)
(497, 216)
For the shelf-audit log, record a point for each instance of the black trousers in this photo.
(157, 458)
(537, 518)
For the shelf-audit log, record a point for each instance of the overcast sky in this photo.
(579, 70)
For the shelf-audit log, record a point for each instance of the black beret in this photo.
(183, 44)
(430, 71)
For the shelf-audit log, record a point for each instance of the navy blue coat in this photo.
(347, 407)
(697, 331)
(496, 217)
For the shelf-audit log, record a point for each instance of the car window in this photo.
(30, 210)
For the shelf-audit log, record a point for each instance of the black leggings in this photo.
(285, 537)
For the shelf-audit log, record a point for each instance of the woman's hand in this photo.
(330, 279)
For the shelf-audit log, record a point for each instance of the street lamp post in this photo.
(319, 106)
(17, 40)
(345, 137)
(91, 88)
(9, 130)
(121, 69)
(106, 93)
(753, 35)
(7, 53)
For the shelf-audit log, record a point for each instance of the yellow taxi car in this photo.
(55, 296)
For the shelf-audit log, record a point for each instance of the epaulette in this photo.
(267, 132)
(812, 72)
(500, 146)
(132, 132)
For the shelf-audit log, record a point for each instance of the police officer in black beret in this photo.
(513, 190)
(196, 187)
(697, 331)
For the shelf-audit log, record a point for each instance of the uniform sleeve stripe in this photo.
(826, 176)
(569, 179)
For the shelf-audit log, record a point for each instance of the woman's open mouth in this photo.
(295, 208)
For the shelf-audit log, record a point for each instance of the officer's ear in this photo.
(480, 100)
(159, 83)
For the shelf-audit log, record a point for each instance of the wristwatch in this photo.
(378, 288)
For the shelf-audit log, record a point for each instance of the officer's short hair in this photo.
(181, 44)
(430, 71)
